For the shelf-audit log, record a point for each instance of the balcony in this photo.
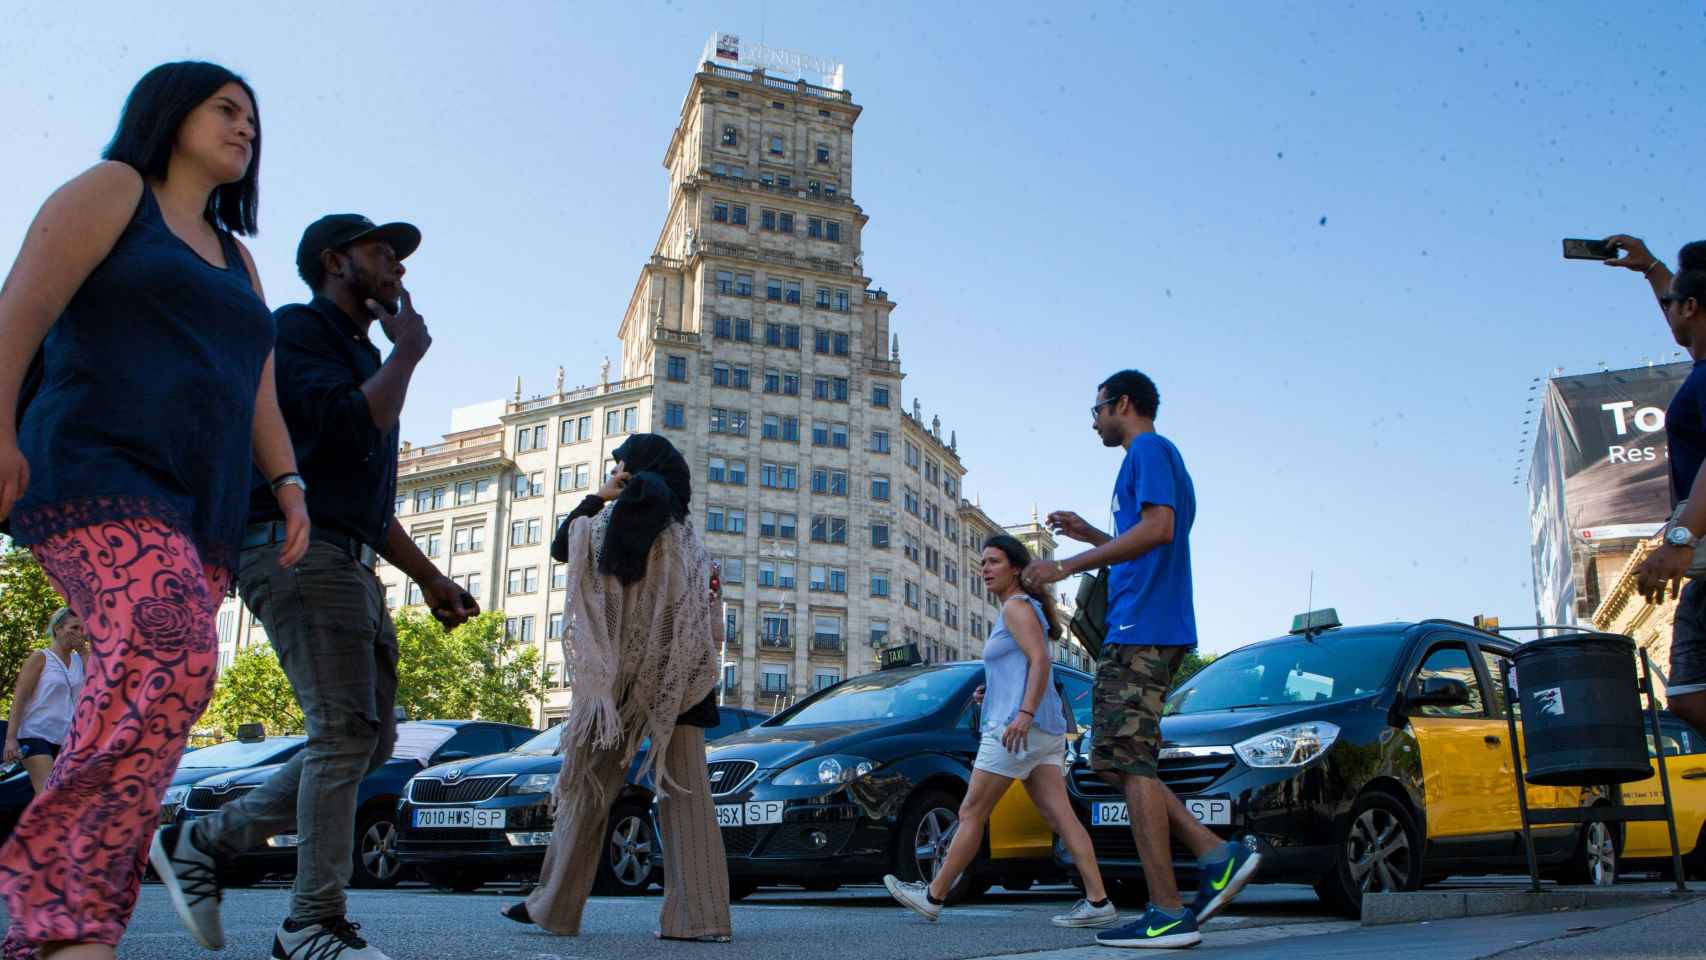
(583, 393)
(741, 251)
(800, 87)
(776, 642)
(828, 643)
(882, 366)
(667, 335)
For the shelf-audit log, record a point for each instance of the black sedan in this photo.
(463, 824)
(865, 778)
(420, 743)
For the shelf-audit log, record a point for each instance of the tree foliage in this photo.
(474, 671)
(1194, 661)
(27, 600)
(254, 689)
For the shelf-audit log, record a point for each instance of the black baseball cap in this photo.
(338, 230)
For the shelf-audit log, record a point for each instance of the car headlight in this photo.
(530, 784)
(825, 771)
(174, 796)
(1288, 746)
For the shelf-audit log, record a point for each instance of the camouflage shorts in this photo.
(1131, 684)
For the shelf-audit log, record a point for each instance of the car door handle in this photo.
(1695, 774)
(1491, 740)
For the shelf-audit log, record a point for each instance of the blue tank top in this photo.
(1006, 671)
(147, 394)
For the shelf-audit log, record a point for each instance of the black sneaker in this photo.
(191, 877)
(331, 939)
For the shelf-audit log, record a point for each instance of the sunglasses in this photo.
(1666, 299)
(1096, 409)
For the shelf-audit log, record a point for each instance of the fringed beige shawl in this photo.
(641, 655)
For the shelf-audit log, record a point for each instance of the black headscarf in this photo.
(659, 489)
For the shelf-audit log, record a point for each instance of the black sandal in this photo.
(517, 912)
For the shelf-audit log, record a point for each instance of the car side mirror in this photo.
(1439, 692)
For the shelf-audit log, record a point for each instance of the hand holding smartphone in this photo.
(1589, 250)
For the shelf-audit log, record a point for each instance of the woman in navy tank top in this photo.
(127, 442)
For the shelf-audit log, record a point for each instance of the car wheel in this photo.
(375, 853)
(926, 830)
(453, 878)
(1379, 850)
(1594, 862)
(629, 856)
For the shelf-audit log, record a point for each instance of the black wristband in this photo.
(1030, 713)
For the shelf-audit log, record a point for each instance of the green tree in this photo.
(1194, 661)
(476, 670)
(27, 599)
(254, 689)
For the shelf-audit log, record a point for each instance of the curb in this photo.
(1380, 909)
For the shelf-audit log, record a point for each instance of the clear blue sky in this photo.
(1329, 231)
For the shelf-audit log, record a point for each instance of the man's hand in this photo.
(11, 750)
(1635, 257)
(406, 329)
(14, 476)
(613, 487)
(1041, 573)
(452, 605)
(295, 508)
(1071, 525)
(1663, 566)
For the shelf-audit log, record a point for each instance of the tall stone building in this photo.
(754, 341)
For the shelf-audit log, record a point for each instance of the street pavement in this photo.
(861, 923)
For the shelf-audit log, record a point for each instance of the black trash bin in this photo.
(1581, 711)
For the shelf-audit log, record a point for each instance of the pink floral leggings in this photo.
(71, 869)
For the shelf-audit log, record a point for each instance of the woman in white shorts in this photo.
(1024, 738)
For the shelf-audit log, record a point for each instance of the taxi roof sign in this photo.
(1314, 620)
(905, 655)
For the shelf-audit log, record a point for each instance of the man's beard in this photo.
(370, 287)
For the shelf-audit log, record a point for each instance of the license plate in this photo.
(754, 814)
(1213, 811)
(464, 817)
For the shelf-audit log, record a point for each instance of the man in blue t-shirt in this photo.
(1151, 627)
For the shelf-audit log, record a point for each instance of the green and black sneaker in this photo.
(1155, 930)
(1224, 873)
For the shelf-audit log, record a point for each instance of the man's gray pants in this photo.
(327, 620)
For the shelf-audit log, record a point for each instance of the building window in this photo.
(731, 135)
(785, 224)
(823, 153)
(559, 576)
(879, 441)
(791, 291)
(720, 375)
(832, 231)
(843, 345)
(612, 422)
(790, 384)
(737, 215)
(776, 146)
(677, 369)
(767, 221)
(814, 230)
(725, 281)
(743, 330)
(827, 529)
(774, 680)
(820, 341)
(879, 395)
(879, 583)
(880, 535)
(825, 678)
(879, 633)
(879, 487)
(719, 212)
(742, 378)
(674, 415)
(911, 594)
(722, 328)
(773, 335)
(734, 571)
(554, 629)
(743, 284)
(468, 539)
(791, 336)
(737, 521)
(714, 519)
(841, 301)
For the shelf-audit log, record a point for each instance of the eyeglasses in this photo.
(1096, 409)
(1666, 299)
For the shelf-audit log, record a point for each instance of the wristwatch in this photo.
(1680, 536)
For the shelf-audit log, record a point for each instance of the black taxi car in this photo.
(865, 778)
(465, 823)
(1357, 759)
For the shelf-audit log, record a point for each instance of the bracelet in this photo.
(1028, 713)
(1651, 267)
(290, 480)
(284, 478)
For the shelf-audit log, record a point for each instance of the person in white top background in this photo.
(45, 698)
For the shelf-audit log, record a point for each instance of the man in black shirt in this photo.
(327, 616)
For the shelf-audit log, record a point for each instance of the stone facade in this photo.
(1625, 611)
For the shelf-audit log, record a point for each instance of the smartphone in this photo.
(1589, 250)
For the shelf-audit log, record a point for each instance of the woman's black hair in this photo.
(148, 130)
(659, 491)
(1020, 557)
(1690, 278)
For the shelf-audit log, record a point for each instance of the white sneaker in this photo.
(914, 895)
(191, 877)
(1083, 914)
(334, 939)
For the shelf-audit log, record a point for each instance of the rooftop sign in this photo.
(727, 50)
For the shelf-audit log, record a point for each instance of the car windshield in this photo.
(417, 741)
(897, 695)
(543, 744)
(1332, 666)
(236, 753)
